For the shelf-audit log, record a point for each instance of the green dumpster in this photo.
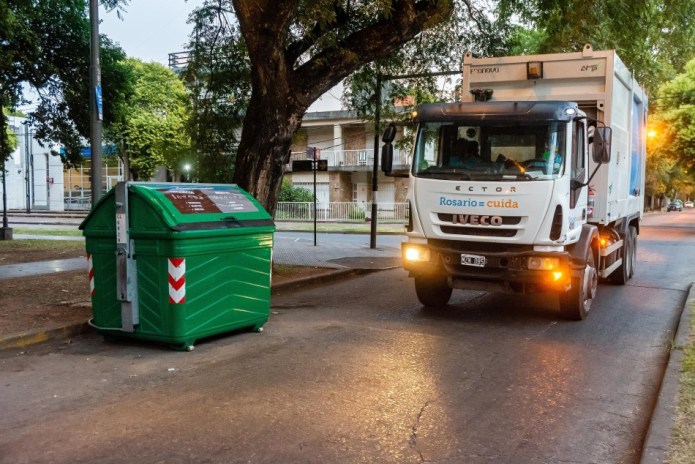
(174, 263)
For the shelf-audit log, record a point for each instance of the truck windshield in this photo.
(490, 152)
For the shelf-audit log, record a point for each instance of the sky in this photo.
(151, 29)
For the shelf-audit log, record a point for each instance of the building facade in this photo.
(33, 175)
(347, 144)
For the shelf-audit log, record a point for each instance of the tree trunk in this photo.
(269, 125)
(284, 83)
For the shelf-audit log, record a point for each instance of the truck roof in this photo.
(499, 111)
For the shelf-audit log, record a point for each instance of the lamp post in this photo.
(187, 170)
(5, 230)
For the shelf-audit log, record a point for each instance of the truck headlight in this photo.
(538, 263)
(416, 254)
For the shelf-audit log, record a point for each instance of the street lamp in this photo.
(187, 170)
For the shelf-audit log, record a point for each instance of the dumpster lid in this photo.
(203, 206)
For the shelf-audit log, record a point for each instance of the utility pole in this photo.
(375, 167)
(95, 102)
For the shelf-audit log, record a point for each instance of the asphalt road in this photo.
(357, 371)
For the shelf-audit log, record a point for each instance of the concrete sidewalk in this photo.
(332, 251)
(341, 255)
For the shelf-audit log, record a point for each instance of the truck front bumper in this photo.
(513, 269)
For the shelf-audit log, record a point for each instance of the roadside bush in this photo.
(297, 194)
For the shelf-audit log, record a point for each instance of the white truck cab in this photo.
(506, 193)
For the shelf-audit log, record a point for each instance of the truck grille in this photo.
(448, 226)
(452, 246)
(481, 231)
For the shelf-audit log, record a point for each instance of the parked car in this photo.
(688, 204)
(675, 205)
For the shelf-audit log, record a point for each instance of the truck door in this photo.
(579, 171)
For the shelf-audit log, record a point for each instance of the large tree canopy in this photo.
(28, 51)
(300, 49)
(45, 45)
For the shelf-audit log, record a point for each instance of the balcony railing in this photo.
(394, 213)
(353, 158)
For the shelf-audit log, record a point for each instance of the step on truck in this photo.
(533, 182)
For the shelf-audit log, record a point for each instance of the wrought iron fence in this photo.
(394, 213)
(353, 158)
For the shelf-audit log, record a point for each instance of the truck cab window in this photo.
(498, 151)
(578, 164)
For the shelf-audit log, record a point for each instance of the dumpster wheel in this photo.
(185, 346)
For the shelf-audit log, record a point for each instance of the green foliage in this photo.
(26, 53)
(63, 114)
(672, 148)
(527, 41)
(654, 39)
(290, 193)
(151, 125)
(11, 137)
(45, 44)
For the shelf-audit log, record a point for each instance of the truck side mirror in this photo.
(387, 157)
(601, 143)
(389, 134)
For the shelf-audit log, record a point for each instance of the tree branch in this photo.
(330, 66)
(297, 48)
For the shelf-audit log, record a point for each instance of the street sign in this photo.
(86, 152)
(302, 166)
(308, 165)
(100, 103)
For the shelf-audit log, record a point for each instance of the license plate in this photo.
(473, 260)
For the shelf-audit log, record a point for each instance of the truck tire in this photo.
(576, 303)
(432, 291)
(627, 269)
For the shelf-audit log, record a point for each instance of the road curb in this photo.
(658, 438)
(28, 338)
(328, 277)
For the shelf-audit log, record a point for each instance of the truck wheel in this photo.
(432, 290)
(576, 303)
(626, 270)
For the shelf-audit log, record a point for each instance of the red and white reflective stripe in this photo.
(90, 266)
(177, 280)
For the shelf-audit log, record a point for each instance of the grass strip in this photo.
(18, 245)
(682, 447)
(41, 231)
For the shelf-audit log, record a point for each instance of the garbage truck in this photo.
(532, 182)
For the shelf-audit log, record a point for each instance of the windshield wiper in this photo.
(448, 174)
